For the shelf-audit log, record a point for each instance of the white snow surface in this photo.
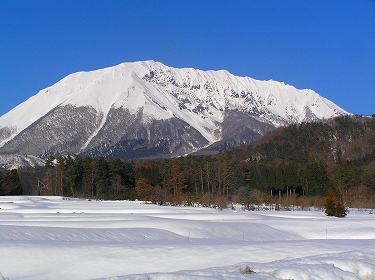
(198, 97)
(57, 238)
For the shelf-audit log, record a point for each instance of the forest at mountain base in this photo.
(294, 165)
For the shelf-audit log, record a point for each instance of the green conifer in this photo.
(329, 204)
(340, 209)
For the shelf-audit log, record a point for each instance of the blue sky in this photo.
(328, 46)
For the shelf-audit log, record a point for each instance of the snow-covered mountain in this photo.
(147, 109)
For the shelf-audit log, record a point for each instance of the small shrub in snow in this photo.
(246, 270)
(277, 207)
(334, 206)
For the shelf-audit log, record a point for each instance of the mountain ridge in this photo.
(190, 105)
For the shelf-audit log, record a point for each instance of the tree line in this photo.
(297, 165)
(10, 183)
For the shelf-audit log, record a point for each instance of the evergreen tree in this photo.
(143, 189)
(330, 207)
(340, 209)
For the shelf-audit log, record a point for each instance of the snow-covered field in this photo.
(52, 238)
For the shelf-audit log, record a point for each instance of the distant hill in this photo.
(337, 140)
(311, 158)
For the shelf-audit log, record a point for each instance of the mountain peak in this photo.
(144, 95)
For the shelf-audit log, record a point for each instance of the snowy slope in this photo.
(344, 266)
(51, 238)
(101, 90)
(199, 99)
(15, 161)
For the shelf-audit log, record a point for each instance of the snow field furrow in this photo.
(56, 238)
